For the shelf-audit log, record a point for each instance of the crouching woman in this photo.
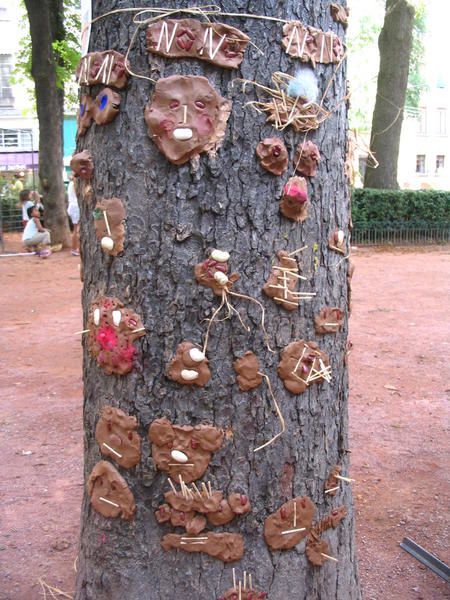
(36, 235)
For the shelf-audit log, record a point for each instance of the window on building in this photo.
(442, 121)
(422, 121)
(6, 94)
(440, 162)
(420, 163)
(17, 139)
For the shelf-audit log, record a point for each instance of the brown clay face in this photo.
(300, 364)
(248, 372)
(283, 281)
(109, 492)
(106, 106)
(273, 155)
(340, 14)
(307, 157)
(85, 114)
(216, 43)
(182, 511)
(226, 547)
(182, 450)
(189, 366)
(82, 165)
(213, 272)
(310, 44)
(102, 67)
(294, 203)
(117, 437)
(286, 519)
(112, 333)
(314, 550)
(337, 241)
(329, 320)
(332, 482)
(115, 214)
(186, 116)
(103, 109)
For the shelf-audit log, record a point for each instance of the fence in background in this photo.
(398, 236)
(10, 218)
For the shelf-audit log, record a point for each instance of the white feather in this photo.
(304, 85)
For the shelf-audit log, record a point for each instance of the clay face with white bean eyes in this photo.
(182, 449)
(112, 331)
(186, 116)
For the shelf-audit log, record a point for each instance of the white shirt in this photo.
(25, 206)
(71, 195)
(30, 230)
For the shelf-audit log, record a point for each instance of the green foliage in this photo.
(66, 51)
(381, 209)
(416, 81)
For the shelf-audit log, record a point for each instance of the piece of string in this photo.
(214, 315)
(279, 413)
(263, 315)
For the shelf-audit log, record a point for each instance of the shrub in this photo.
(386, 209)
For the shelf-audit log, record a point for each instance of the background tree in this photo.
(174, 213)
(52, 58)
(395, 49)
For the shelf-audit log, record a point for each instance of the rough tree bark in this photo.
(46, 26)
(173, 215)
(395, 44)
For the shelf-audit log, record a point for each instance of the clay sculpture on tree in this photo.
(294, 202)
(216, 43)
(340, 14)
(109, 492)
(273, 155)
(290, 524)
(226, 547)
(311, 45)
(317, 550)
(329, 320)
(112, 331)
(303, 363)
(107, 67)
(102, 109)
(185, 117)
(183, 450)
(306, 159)
(109, 217)
(82, 165)
(212, 272)
(117, 437)
(248, 372)
(337, 241)
(189, 366)
(283, 281)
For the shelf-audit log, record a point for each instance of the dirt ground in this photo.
(399, 420)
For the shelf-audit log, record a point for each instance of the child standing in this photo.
(35, 235)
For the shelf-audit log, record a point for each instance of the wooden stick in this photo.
(196, 490)
(329, 557)
(234, 579)
(195, 538)
(111, 450)
(174, 489)
(192, 543)
(245, 580)
(344, 478)
(295, 514)
(288, 531)
(286, 301)
(331, 490)
(108, 501)
(137, 330)
(80, 332)
(180, 479)
(297, 251)
(205, 489)
(240, 590)
(184, 113)
(105, 216)
(251, 581)
(209, 489)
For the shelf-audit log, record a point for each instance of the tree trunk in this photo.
(395, 49)
(174, 213)
(46, 26)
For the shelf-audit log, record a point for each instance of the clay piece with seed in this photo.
(189, 366)
(117, 437)
(273, 155)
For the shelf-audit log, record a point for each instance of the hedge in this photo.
(384, 209)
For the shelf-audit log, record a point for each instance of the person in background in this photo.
(36, 198)
(73, 210)
(35, 235)
(25, 203)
